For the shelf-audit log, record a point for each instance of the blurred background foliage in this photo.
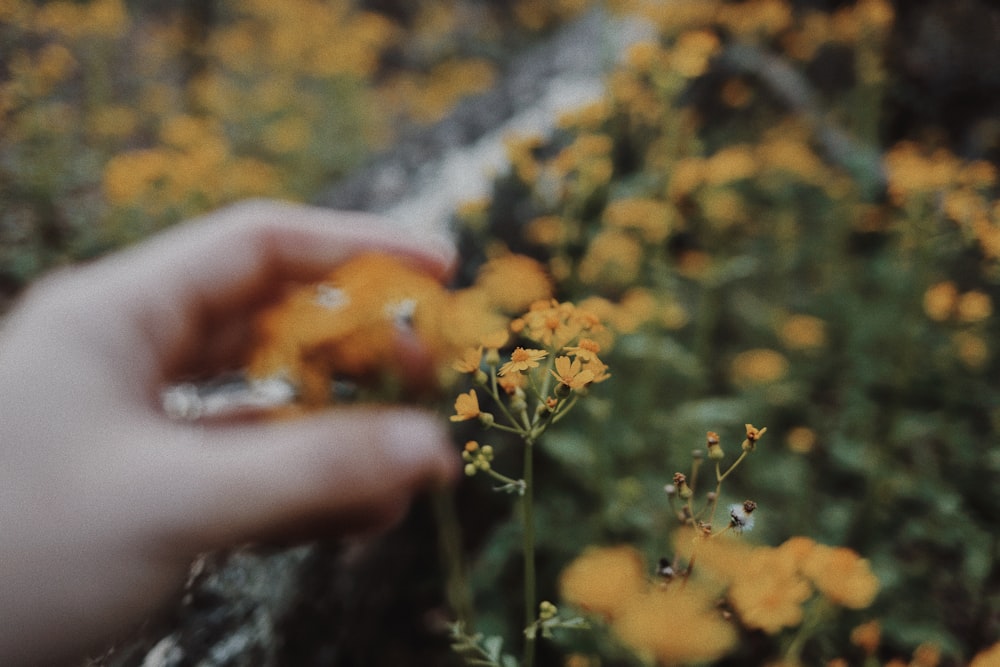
(119, 118)
(780, 239)
(788, 211)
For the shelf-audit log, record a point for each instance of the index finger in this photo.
(179, 285)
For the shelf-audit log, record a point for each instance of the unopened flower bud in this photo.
(697, 454)
(670, 490)
(480, 377)
(683, 490)
(470, 469)
(714, 448)
(486, 419)
(547, 610)
(492, 357)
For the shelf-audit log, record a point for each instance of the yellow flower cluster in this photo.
(428, 97)
(569, 336)
(376, 312)
(540, 14)
(681, 621)
(672, 624)
(943, 302)
(761, 20)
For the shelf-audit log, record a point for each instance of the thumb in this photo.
(345, 471)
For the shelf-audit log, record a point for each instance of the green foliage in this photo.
(765, 264)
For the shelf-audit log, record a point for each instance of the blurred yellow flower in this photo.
(598, 369)
(470, 360)
(128, 177)
(841, 575)
(989, 657)
(651, 218)
(729, 164)
(692, 52)
(54, 63)
(675, 626)
(940, 300)
(927, 654)
(769, 592)
(801, 439)
(602, 579)
(971, 349)
(974, 306)
(642, 56)
(107, 18)
(514, 282)
(352, 325)
(756, 18)
(911, 170)
(613, 258)
(867, 636)
(687, 174)
(758, 366)
(521, 153)
(803, 332)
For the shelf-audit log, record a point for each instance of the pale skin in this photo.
(104, 500)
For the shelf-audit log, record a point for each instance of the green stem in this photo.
(502, 478)
(529, 552)
(457, 588)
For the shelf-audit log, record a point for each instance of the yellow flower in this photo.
(678, 625)
(769, 592)
(466, 407)
(867, 636)
(494, 339)
(926, 654)
(602, 579)
(511, 383)
(940, 300)
(800, 439)
(841, 575)
(598, 369)
(470, 360)
(613, 258)
(514, 282)
(974, 306)
(971, 349)
(585, 350)
(692, 52)
(758, 366)
(649, 217)
(733, 163)
(522, 359)
(550, 230)
(571, 373)
(352, 324)
(803, 332)
(989, 657)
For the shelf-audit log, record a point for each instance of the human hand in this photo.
(104, 501)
